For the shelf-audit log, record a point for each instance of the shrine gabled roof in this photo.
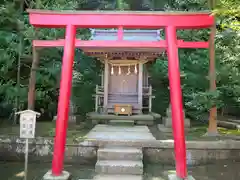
(137, 35)
(128, 35)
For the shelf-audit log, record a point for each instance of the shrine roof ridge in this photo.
(40, 11)
(129, 35)
(114, 30)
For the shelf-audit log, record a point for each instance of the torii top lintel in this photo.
(126, 19)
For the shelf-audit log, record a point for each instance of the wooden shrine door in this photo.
(122, 83)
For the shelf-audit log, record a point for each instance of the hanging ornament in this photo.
(135, 70)
(119, 70)
(129, 71)
(112, 71)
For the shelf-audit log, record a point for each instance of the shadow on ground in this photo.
(221, 171)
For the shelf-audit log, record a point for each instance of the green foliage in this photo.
(194, 65)
(229, 69)
(229, 13)
(48, 73)
(86, 77)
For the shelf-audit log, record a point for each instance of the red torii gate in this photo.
(102, 19)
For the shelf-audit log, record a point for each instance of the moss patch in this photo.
(197, 133)
(225, 131)
(75, 132)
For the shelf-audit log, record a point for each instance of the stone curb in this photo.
(168, 144)
(162, 144)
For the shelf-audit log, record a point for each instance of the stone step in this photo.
(117, 177)
(120, 153)
(122, 122)
(119, 167)
(109, 128)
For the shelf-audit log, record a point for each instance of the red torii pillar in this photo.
(63, 101)
(176, 102)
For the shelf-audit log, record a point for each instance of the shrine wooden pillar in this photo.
(106, 77)
(140, 84)
(63, 101)
(176, 102)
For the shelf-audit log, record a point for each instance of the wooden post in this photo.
(106, 74)
(150, 98)
(102, 79)
(96, 99)
(140, 82)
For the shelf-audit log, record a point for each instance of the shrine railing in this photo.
(148, 95)
(99, 97)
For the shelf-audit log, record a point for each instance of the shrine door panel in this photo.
(123, 83)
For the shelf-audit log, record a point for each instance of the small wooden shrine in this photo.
(125, 88)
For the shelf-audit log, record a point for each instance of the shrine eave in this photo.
(149, 56)
(130, 45)
(108, 19)
(150, 49)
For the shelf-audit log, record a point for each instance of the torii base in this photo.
(49, 176)
(174, 177)
(165, 129)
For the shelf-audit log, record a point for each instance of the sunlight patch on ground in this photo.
(167, 140)
(20, 174)
(171, 171)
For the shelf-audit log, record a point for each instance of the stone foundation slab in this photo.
(49, 176)
(174, 177)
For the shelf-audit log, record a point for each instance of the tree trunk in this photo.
(35, 62)
(211, 4)
(212, 128)
(120, 5)
(32, 80)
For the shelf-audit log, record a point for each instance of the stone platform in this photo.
(117, 177)
(138, 119)
(109, 132)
